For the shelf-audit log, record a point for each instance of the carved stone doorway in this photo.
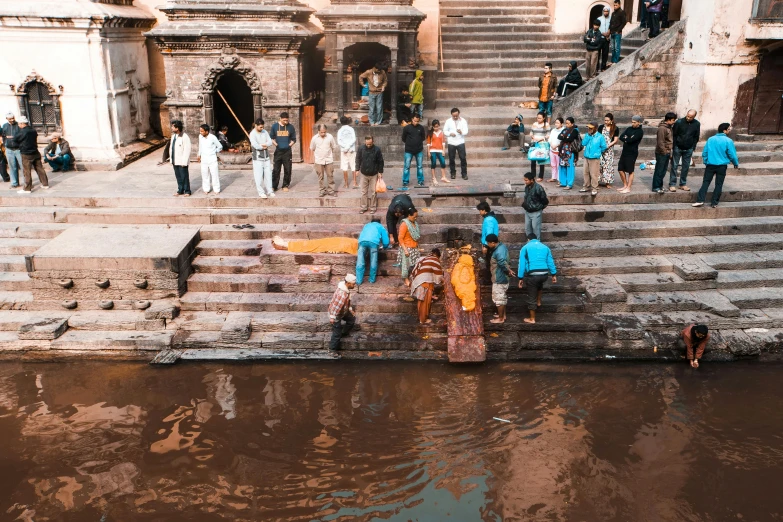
(239, 96)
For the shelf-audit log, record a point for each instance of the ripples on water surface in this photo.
(127, 442)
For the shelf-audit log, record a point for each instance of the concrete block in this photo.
(604, 289)
(236, 328)
(161, 310)
(43, 329)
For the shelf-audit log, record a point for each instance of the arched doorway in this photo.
(766, 116)
(239, 96)
(361, 57)
(595, 12)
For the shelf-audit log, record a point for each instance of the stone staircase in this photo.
(494, 51)
(633, 271)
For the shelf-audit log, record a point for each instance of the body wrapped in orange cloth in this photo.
(327, 245)
(463, 279)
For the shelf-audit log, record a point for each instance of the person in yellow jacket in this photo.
(416, 90)
(463, 279)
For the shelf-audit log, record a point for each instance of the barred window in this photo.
(41, 107)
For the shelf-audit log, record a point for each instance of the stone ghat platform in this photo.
(633, 271)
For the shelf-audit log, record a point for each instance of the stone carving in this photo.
(227, 62)
(328, 60)
(35, 77)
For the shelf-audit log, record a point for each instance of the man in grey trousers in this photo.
(534, 204)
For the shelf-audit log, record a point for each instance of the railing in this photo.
(768, 10)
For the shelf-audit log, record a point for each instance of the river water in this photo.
(385, 441)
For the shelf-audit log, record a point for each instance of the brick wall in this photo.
(646, 83)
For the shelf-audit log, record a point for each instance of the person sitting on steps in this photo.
(514, 132)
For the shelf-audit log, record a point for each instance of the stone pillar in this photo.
(393, 116)
(258, 106)
(340, 85)
(209, 111)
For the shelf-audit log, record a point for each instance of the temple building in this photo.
(112, 74)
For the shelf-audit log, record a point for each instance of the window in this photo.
(768, 9)
(39, 105)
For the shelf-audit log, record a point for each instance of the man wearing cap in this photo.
(27, 140)
(12, 154)
(631, 137)
(58, 154)
(594, 146)
(340, 310)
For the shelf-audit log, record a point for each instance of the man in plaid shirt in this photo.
(340, 310)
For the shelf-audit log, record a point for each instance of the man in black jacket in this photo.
(27, 142)
(369, 161)
(58, 154)
(398, 209)
(413, 137)
(631, 137)
(616, 25)
(534, 204)
(572, 81)
(686, 132)
(594, 40)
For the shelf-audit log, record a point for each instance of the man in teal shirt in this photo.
(373, 237)
(535, 266)
(595, 145)
(718, 152)
(499, 266)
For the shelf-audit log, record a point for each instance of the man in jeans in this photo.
(376, 79)
(685, 133)
(616, 25)
(663, 150)
(413, 136)
(340, 310)
(324, 147)
(455, 129)
(12, 154)
(179, 155)
(534, 204)
(284, 137)
(373, 237)
(547, 85)
(369, 162)
(718, 152)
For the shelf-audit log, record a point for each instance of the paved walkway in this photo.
(146, 179)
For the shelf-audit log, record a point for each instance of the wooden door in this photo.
(308, 125)
(40, 108)
(766, 116)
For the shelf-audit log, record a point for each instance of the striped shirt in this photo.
(340, 303)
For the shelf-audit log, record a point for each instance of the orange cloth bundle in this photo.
(327, 245)
(463, 279)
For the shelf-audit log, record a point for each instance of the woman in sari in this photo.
(568, 156)
(409, 236)
(426, 274)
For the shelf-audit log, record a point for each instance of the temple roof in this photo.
(74, 9)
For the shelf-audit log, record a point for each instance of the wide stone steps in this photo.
(12, 264)
(481, 20)
(14, 281)
(453, 15)
(20, 246)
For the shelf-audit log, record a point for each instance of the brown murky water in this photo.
(127, 442)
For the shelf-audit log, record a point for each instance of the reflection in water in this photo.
(125, 442)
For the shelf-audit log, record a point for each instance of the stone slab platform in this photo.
(158, 248)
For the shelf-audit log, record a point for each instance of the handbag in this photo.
(380, 185)
(539, 152)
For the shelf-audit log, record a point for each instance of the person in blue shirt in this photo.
(500, 268)
(373, 237)
(594, 146)
(718, 152)
(489, 224)
(535, 266)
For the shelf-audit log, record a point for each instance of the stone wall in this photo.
(646, 83)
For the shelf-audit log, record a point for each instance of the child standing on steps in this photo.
(436, 146)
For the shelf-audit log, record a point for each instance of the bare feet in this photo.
(621, 188)
(499, 320)
(444, 180)
(625, 191)
(407, 282)
(428, 321)
(694, 364)
(529, 320)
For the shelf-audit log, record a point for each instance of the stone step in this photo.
(451, 15)
(20, 246)
(760, 297)
(14, 281)
(489, 35)
(29, 214)
(15, 300)
(228, 248)
(114, 320)
(478, 30)
(319, 302)
(754, 278)
(487, 20)
(744, 260)
(91, 341)
(13, 264)
(32, 230)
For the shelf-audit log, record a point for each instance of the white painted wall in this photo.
(716, 58)
(571, 16)
(92, 71)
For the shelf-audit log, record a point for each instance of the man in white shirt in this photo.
(346, 140)
(604, 20)
(324, 147)
(455, 129)
(208, 147)
(179, 155)
(262, 163)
